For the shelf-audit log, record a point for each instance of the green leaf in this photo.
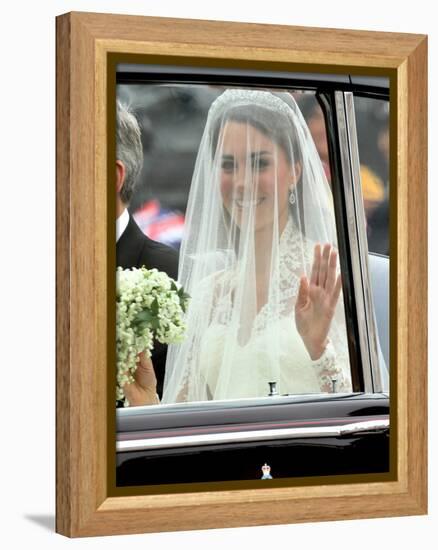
(183, 301)
(154, 307)
(153, 324)
(143, 316)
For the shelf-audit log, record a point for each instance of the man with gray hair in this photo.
(135, 249)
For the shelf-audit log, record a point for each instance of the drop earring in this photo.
(292, 194)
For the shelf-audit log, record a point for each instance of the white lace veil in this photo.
(259, 201)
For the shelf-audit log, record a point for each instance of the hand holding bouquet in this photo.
(149, 304)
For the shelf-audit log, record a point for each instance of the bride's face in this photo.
(254, 173)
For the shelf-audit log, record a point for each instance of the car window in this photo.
(372, 122)
(252, 322)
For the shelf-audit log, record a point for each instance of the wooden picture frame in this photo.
(84, 40)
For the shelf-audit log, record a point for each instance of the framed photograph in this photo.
(241, 274)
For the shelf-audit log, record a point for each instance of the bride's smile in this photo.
(242, 203)
(255, 176)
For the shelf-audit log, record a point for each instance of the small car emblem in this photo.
(266, 469)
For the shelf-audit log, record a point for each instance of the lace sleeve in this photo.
(330, 373)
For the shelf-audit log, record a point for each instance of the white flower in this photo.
(137, 291)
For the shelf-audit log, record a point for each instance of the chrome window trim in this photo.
(244, 402)
(337, 430)
(358, 241)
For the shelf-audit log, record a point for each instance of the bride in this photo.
(259, 260)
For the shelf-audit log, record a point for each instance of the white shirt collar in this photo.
(121, 223)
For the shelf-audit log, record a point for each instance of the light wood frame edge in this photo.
(83, 508)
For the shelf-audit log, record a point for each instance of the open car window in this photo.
(246, 331)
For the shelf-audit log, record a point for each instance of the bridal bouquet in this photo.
(149, 304)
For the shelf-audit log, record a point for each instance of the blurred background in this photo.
(172, 119)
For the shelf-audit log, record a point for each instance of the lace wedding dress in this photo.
(274, 350)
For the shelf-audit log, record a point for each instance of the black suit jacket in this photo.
(135, 249)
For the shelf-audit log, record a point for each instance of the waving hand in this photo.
(317, 299)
